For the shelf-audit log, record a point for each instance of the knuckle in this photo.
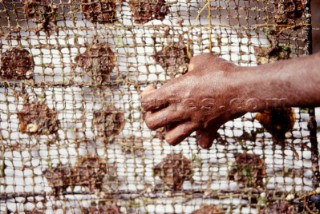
(192, 60)
(199, 60)
(195, 59)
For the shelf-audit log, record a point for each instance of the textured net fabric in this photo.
(73, 139)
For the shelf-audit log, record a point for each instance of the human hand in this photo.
(200, 100)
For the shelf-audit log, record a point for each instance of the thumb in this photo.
(205, 138)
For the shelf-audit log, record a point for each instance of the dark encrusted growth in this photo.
(41, 12)
(102, 12)
(174, 59)
(98, 60)
(248, 169)
(278, 207)
(17, 64)
(38, 118)
(289, 10)
(147, 10)
(173, 170)
(208, 209)
(109, 121)
(277, 121)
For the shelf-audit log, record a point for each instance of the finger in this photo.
(180, 132)
(164, 117)
(148, 90)
(153, 99)
(157, 99)
(199, 61)
(205, 138)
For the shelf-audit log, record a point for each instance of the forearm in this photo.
(287, 83)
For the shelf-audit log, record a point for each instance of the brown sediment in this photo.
(98, 60)
(289, 10)
(269, 55)
(41, 12)
(102, 12)
(59, 178)
(88, 172)
(208, 209)
(38, 118)
(174, 59)
(102, 207)
(173, 170)
(147, 10)
(132, 145)
(278, 207)
(248, 169)
(17, 64)
(109, 121)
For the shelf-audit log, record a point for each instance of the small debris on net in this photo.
(289, 10)
(147, 10)
(208, 209)
(38, 118)
(248, 136)
(88, 172)
(174, 59)
(98, 60)
(102, 207)
(278, 207)
(41, 13)
(277, 121)
(109, 121)
(248, 169)
(132, 145)
(59, 178)
(173, 170)
(2, 168)
(102, 12)
(269, 55)
(17, 64)
(160, 133)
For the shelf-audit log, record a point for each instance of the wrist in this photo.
(255, 91)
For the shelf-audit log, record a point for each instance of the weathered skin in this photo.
(216, 91)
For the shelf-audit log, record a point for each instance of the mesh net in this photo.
(73, 139)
